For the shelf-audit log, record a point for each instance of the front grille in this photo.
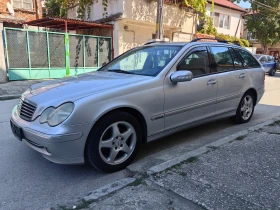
(26, 109)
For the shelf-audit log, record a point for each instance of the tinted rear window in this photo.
(222, 58)
(236, 60)
(249, 60)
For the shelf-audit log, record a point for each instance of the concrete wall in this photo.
(173, 16)
(97, 9)
(136, 35)
(234, 19)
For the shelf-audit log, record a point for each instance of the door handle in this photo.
(242, 75)
(212, 82)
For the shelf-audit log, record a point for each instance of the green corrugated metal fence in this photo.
(34, 54)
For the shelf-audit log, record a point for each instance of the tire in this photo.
(239, 117)
(272, 72)
(113, 142)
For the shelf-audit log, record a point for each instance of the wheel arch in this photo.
(134, 112)
(255, 94)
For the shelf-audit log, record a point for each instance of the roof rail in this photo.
(154, 42)
(157, 41)
(218, 40)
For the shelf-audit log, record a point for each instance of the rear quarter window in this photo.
(249, 60)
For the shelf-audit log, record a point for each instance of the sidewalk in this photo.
(14, 89)
(243, 173)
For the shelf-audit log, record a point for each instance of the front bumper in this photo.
(61, 144)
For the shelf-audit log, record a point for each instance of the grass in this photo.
(239, 138)
(275, 123)
(191, 160)
(176, 168)
(182, 173)
(136, 183)
(81, 205)
(274, 133)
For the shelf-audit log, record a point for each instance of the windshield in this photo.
(146, 60)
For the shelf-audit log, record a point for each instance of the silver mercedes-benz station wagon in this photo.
(102, 117)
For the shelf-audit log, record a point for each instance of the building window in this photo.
(23, 4)
(220, 20)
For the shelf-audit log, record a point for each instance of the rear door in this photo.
(231, 78)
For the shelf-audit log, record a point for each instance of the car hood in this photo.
(76, 87)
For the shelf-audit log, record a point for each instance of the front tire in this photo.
(245, 109)
(113, 142)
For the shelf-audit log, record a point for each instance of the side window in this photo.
(196, 61)
(236, 60)
(263, 59)
(222, 58)
(269, 58)
(249, 60)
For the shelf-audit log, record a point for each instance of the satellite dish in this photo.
(10, 9)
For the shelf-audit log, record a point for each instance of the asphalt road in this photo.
(28, 181)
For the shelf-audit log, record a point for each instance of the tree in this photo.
(54, 8)
(263, 21)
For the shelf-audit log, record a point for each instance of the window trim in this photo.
(189, 52)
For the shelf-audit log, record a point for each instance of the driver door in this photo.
(191, 101)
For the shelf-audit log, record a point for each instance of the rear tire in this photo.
(113, 142)
(245, 109)
(272, 72)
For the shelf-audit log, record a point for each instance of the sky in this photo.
(244, 4)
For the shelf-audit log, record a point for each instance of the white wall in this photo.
(136, 35)
(234, 19)
(97, 9)
(72, 13)
(173, 16)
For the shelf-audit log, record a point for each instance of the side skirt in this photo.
(189, 125)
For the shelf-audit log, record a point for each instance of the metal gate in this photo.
(34, 54)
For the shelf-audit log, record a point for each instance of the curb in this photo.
(109, 188)
(9, 97)
(167, 164)
(98, 194)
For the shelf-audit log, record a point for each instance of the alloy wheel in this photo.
(247, 107)
(117, 143)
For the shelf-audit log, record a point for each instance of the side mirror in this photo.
(181, 76)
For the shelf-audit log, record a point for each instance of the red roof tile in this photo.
(227, 4)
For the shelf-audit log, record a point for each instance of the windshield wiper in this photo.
(120, 71)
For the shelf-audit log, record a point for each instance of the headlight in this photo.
(55, 116)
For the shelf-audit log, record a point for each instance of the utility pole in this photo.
(159, 26)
